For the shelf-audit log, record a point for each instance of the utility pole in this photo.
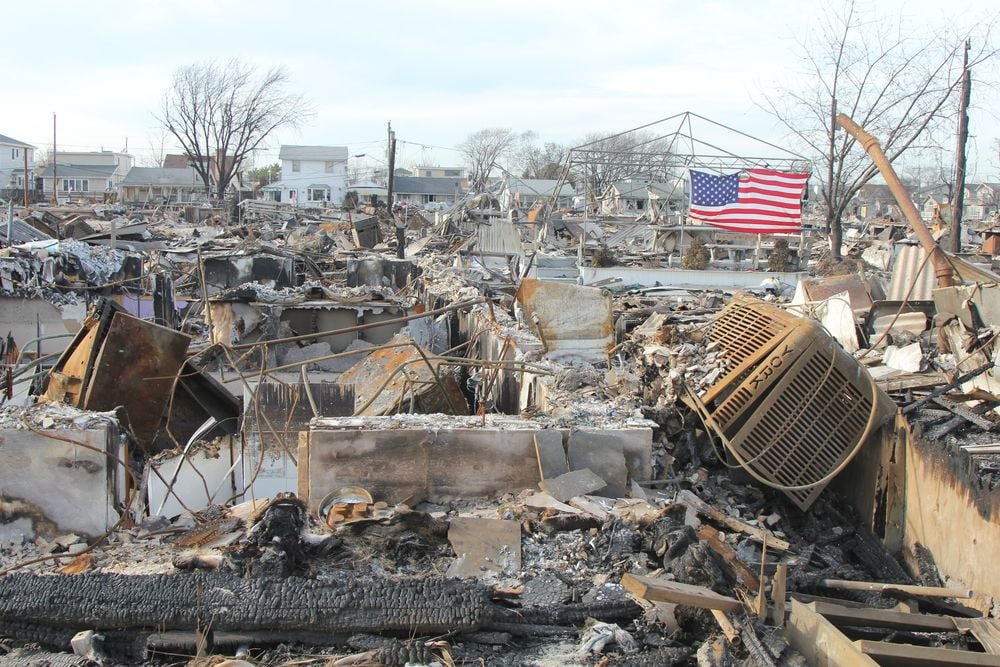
(55, 163)
(963, 136)
(399, 228)
(25, 151)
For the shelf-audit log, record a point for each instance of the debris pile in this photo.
(300, 441)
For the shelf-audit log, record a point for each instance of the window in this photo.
(329, 166)
(427, 172)
(75, 185)
(15, 153)
(317, 194)
(452, 173)
(296, 165)
(20, 181)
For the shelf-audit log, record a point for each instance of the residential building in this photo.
(439, 172)
(93, 175)
(634, 196)
(525, 193)
(423, 192)
(982, 201)
(143, 185)
(874, 201)
(12, 154)
(310, 175)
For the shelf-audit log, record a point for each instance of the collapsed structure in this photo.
(506, 442)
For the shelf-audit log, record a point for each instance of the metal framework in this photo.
(665, 157)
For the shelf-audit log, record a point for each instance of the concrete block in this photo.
(572, 484)
(484, 545)
(604, 455)
(551, 454)
(51, 487)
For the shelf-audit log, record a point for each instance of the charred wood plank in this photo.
(180, 601)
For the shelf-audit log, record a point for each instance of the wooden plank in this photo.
(882, 618)
(713, 539)
(907, 655)
(966, 414)
(986, 630)
(662, 590)
(778, 595)
(875, 586)
(820, 641)
(754, 532)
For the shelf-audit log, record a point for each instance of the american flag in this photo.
(765, 201)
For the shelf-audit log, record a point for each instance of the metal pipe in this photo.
(362, 327)
(942, 267)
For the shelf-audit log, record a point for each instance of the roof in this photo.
(539, 186)
(171, 161)
(313, 153)
(10, 141)
(424, 185)
(167, 176)
(81, 171)
(637, 189)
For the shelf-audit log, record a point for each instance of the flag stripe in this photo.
(765, 201)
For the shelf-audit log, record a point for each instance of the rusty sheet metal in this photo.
(909, 268)
(410, 382)
(136, 368)
(574, 322)
(821, 289)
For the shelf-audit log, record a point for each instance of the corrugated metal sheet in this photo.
(500, 236)
(910, 268)
(21, 232)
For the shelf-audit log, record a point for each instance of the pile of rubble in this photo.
(296, 441)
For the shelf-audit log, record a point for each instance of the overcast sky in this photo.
(437, 69)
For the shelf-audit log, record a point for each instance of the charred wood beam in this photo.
(184, 602)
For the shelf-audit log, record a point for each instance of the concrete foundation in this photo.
(439, 457)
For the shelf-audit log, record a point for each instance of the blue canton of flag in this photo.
(711, 190)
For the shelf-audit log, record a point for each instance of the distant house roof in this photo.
(176, 161)
(331, 153)
(80, 171)
(417, 185)
(539, 186)
(637, 190)
(10, 141)
(162, 176)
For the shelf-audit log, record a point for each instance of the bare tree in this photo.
(221, 113)
(489, 148)
(893, 81)
(603, 160)
(541, 161)
(156, 151)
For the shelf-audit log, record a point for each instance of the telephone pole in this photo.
(399, 226)
(963, 136)
(55, 163)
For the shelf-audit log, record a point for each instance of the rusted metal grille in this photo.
(746, 332)
(796, 412)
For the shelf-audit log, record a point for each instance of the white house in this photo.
(12, 154)
(86, 174)
(525, 193)
(311, 175)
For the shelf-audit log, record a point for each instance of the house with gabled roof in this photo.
(426, 192)
(12, 155)
(310, 175)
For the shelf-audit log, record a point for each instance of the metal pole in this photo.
(25, 177)
(942, 268)
(55, 163)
